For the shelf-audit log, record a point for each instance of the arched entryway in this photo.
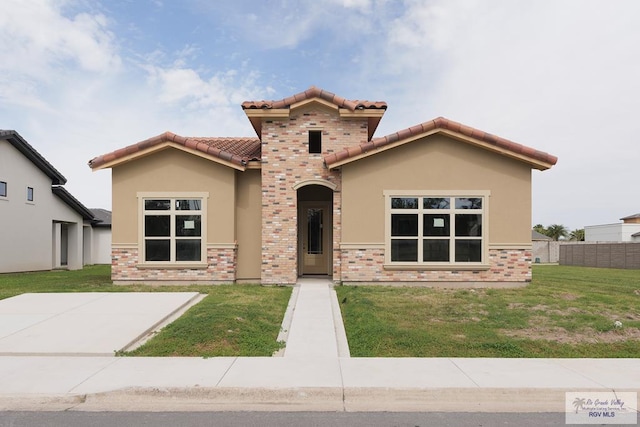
(315, 230)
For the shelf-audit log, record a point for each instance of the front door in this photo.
(315, 238)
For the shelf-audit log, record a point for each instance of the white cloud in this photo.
(38, 38)
(559, 76)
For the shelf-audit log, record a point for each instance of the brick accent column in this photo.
(286, 161)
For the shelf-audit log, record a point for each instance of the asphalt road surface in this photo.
(279, 419)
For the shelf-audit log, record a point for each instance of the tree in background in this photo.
(556, 231)
(540, 229)
(577, 235)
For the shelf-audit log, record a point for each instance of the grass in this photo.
(565, 312)
(239, 320)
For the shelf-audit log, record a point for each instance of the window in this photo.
(315, 141)
(30, 194)
(429, 230)
(3, 189)
(173, 229)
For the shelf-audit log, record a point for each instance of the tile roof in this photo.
(315, 92)
(542, 159)
(36, 158)
(234, 150)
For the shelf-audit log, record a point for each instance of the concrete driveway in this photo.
(96, 324)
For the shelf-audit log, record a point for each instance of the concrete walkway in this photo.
(315, 328)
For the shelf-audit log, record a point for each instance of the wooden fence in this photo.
(606, 255)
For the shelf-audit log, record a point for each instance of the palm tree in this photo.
(577, 235)
(540, 229)
(556, 231)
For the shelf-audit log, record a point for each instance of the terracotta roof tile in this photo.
(234, 150)
(444, 124)
(315, 92)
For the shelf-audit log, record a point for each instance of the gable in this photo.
(12, 137)
(229, 151)
(465, 134)
(257, 111)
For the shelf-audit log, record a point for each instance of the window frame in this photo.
(172, 213)
(6, 190)
(315, 141)
(30, 194)
(420, 211)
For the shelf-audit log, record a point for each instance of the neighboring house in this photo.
(41, 223)
(545, 249)
(626, 231)
(101, 237)
(315, 193)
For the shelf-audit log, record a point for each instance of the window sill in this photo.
(453, 267)
(173, 266)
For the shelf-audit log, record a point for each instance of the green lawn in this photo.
(238, 320)
(564, 312)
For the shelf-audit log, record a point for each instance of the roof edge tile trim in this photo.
(315, 92)
(237, 151)
(442, 123)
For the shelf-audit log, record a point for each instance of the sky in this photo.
(80, 78)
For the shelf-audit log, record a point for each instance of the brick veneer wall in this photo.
(221, 268)
(367, 265)
(285, 162)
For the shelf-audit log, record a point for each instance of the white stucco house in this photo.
(42, 226)
(100, 237)
(626, 231)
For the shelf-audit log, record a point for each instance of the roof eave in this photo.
(36, 158)
(232, 161)
(347, 158)
(72, 202)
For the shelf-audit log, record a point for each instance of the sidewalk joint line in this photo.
(559, 363)
(226, 372)
(108, 365)
(463, 372)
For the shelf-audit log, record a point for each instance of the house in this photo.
(42, 226)
(101, 236)
(439, 203)
(545, 249)
(626, 231)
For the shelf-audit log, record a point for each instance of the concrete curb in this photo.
(299, 399)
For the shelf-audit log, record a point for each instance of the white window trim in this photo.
(422, 265)
(142, 196)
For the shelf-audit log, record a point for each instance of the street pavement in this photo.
(314, 373)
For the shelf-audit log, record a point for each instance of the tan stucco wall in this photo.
(173, 170)
(437, 162)
(248, 224)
